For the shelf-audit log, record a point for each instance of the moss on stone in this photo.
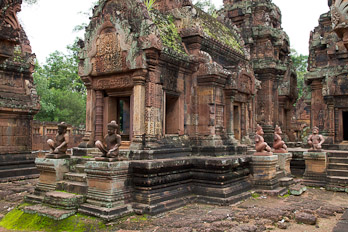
(18, 220)
(168, 32)
(218, 31)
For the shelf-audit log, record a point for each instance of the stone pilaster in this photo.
(316, 165)
(51, 172)
(109, 193)
(264, 172)
(284, 160)
(99, 115)
(138, 108)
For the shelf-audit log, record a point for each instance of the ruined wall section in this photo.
(18, 98)
(327, 78)
(260, 24)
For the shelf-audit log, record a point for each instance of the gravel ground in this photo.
(315, 210)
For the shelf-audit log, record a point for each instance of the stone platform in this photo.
(316, 165)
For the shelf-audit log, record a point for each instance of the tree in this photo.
(207, 6)
(62, 92)
(300, 63)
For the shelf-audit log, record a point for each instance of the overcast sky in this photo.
(49, 24)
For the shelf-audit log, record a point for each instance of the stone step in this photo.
(335, 172)
(286, 181)
(338, 160)
(78, 177)
(96, 154)
(72, 187)
(83, 151)
(338, 166)
(280, 174)
(337, 187)
(42, 210)
(125, 145)
(80, 168)
(32, 198)
(338, 154)
(63, 200)
(11, 172)
(337, 179)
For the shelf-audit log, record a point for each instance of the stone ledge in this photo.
(56, 214)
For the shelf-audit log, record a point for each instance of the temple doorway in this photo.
(118, 109)
(172, 114)
(236, 122)
(345, 125)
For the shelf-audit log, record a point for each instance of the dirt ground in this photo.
(262, 213)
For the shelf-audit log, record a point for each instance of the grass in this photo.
(140, 218)
(20, 221)
(255, 195)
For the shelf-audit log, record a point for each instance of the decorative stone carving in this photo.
(315, 140)
(278, 144)
(108, 58)
(262, 148)
(60, 146)
(110, 147)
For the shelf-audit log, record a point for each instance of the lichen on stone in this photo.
(168, 32)
(212, 28)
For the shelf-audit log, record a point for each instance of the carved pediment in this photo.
(108, 57)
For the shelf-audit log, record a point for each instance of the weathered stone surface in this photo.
(56, 214)
(63, 200)
(264, 171)
(198, 97)
(260, 26)
(305, 218)
(297, 190)
(328, 69)
(18, 98)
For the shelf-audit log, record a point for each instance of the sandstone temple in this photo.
(188, 94)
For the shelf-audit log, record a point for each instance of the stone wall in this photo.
(260, 25)
(183, 79)
(42, 131)
(18, 98)
(327, 79)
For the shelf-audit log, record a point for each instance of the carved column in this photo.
(99, 115)
(243, 121)
(139, 105)
(317, 103)
(331, 132)
(230, 131)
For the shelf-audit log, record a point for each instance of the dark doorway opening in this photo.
(172, 115)
(236, 122)
(123, 117)
(345, 125)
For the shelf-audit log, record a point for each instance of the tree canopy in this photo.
(300, 63)
(62, 92)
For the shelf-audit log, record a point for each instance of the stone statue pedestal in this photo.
(109, 194)
(315, 173)
(264, 172)
(284, 162)
(56, 156)
(51, 172)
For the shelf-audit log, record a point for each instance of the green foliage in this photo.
(149, 4)
(255, 195)
(207, 6)
(218, 31)
(62, 92)
(30, 2)
(18, 220)
(87, 14)
(300, 63)
(168, 31)
(139, 218)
